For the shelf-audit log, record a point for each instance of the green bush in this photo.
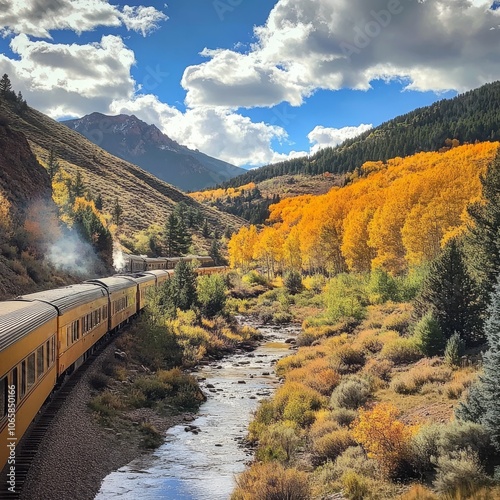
(382, 287)
(429, 336)
(343, 416)
(424, 449)
(401, 351)
(347, 359)
(345, 298)
(211, 294)
(351, 393)
(278, 442)
(454, 350)
(293, 282)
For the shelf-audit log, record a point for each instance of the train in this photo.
(47, 335)
(139, 263)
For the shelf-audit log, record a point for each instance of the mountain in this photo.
(473, 116)
(145, 145)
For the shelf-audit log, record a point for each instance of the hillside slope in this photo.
(145, 145)
(144, 198)
(470, 117)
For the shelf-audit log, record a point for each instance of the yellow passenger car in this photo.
(145, 282)
(83, 320)
(122, 299)
(27, 368)
(161, 276)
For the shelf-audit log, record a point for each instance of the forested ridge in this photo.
(470, 117)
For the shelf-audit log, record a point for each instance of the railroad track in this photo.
(28, 447)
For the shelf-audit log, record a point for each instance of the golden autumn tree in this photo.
(241, 247)
(384, 437)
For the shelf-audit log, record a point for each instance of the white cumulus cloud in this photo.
(39, 17)
(434, 45)
(324, 137)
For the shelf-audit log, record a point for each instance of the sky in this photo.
(251, 82)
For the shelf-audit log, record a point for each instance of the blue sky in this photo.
(248, 81)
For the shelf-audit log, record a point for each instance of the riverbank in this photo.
(77, 452)
(80, 449)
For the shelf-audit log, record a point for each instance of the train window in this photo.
(15, 382)
(3, 396)
(105, 312)
(52, 350)
(47, 349)
(40, 362)
(23, 378)
(31, 370)
(76, 330)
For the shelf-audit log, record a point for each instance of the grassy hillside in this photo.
(473, 116)
(145, 199)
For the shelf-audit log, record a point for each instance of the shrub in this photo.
(355, 486)
(316, 283)
(106, 404)
(422, 373)
(429, 336)
(458, 436)
(351, 393)
(343, 416)
(282, 318)
(460, 475)
(355, 459)
(254, 278)
(382, 287)
(418, 492)
(152, 436)
(331, 445)
(278, 442)
(345, 298)
(293, 282)
(401, 351)
(424, 449)
(99, 381)
(384, 437)
(211, 294)
(381, 369)
(296, 402)
(271, 481)
(454, 350)
(316, 374)
(347, 359)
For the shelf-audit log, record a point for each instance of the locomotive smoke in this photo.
(118, 258)
(69, 253)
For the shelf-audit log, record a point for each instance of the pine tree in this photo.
(184, 239)
(99, 202)
(482, 240)
(205, 231)
(215, 252)
(430, 337)
(117, 212)
(5, 86)
(172, 236)
(77, 187)
(53, 166)
(184, 283)
(451, 295)
(483, 401)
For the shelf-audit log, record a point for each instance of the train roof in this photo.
(18, 318)
(137, 277)
(67, 298)
(113, 284)
(159, 272)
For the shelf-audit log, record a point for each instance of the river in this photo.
(202, 465)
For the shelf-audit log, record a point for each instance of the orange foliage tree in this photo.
(383, 436)
(391, 216)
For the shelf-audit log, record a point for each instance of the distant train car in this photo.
(122, 299)
(144, 282)
(27, 366)
(160, 276)
(137, 263)
(83, 320)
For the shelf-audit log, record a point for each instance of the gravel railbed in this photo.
(77, 452)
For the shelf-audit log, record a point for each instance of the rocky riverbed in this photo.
(200, 459)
